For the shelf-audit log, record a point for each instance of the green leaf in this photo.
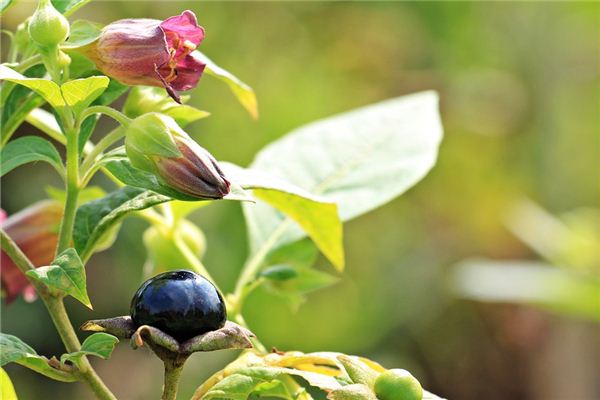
(294, 289)
(99, 345)
(358, 371)
(145, 99)
(316, 216)
(82, 32)
(353, 392)
(6, 387)
(29, 149)
(360, 160)
(95, 218)
(49, 90)
(66, 275)
(5, 4)
(80, 93)
(45, 122)
(128, 174)
(13, 349)
(279, 273)
(242, 91)
(68, 7)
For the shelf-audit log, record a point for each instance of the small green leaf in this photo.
(66, 275)
(13, 349)
(29, 149)
(243, 92)
(99, 345)
(83, 32)
(68, 7)
(80, 93)
(184, 114)
(49, 90)
(95, 218)
(6, 387)
(279, 273)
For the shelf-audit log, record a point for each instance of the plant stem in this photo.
(56, 309)
(102, 145)
(72, 188)
(111, 112)
(172, 376)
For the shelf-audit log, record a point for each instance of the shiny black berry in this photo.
(180, 303)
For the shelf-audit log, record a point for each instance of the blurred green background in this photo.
(520, 100)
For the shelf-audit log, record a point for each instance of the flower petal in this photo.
(185, 26)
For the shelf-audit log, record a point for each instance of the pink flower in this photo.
(35, 231)
(150, 52)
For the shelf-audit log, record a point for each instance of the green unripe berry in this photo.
(47, 26)
(397, 384)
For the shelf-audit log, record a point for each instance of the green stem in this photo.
(102, 145)
(72, 188)
(60, 318)
(172, 377)
(28, 63)
(111, 112)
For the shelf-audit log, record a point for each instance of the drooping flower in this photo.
(155, 143)
(35, 231)
(151, 52)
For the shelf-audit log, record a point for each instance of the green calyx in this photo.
(48, 27)
(151, 135)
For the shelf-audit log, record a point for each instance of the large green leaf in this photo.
(95, 218)
(66, 275)
(242, 91)
(49, 90)
(79, 93)
(360, 160)
(13, 349)
(129, 175)
(29, 149)
(316, 216)
(99, 344)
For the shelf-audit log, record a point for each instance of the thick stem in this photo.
(172, 377)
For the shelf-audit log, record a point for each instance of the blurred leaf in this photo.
(79, 93)
(99, 344)
(316, 216)
(13, 349)
(68, 7)
(88, 194)
(243, 92)
(6, 387)
(82, 32)
(29, 149)
(66, 274)
(279, 273)
(530, 283)
(294, 289)
(128, 174)
(360, 160)
(95, 218)
(144, 99)
(5, 4)
(45, 122)
(358, 371)
(352, 392)
(49, 90)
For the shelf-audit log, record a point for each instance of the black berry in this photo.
(180, 303)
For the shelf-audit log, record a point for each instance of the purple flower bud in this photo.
(195, 173)
(150, 52)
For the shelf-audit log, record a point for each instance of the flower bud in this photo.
(35, 231)
(151, 52)
(155, 143)
(47, 26)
